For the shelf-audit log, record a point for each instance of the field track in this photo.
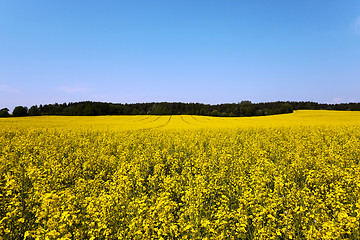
(124, 123)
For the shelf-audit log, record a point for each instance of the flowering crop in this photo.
(180, 177)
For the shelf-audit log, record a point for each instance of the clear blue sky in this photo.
(189, 51)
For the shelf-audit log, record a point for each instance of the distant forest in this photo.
(241, 109)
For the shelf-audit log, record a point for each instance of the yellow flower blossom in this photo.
(181, 177)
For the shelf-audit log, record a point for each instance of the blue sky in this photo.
(189, 51)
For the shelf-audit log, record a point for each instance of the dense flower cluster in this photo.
(296, 182)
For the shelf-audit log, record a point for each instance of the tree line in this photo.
(241, 109)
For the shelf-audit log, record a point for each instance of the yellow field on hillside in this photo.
(292, 176)
(298, 118)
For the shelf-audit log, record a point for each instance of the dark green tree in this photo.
(20, 111)
(89, 110)
(286, 108)
(4, 112)
(241, 109)
(34, 111)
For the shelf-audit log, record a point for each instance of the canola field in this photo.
(292, 176)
